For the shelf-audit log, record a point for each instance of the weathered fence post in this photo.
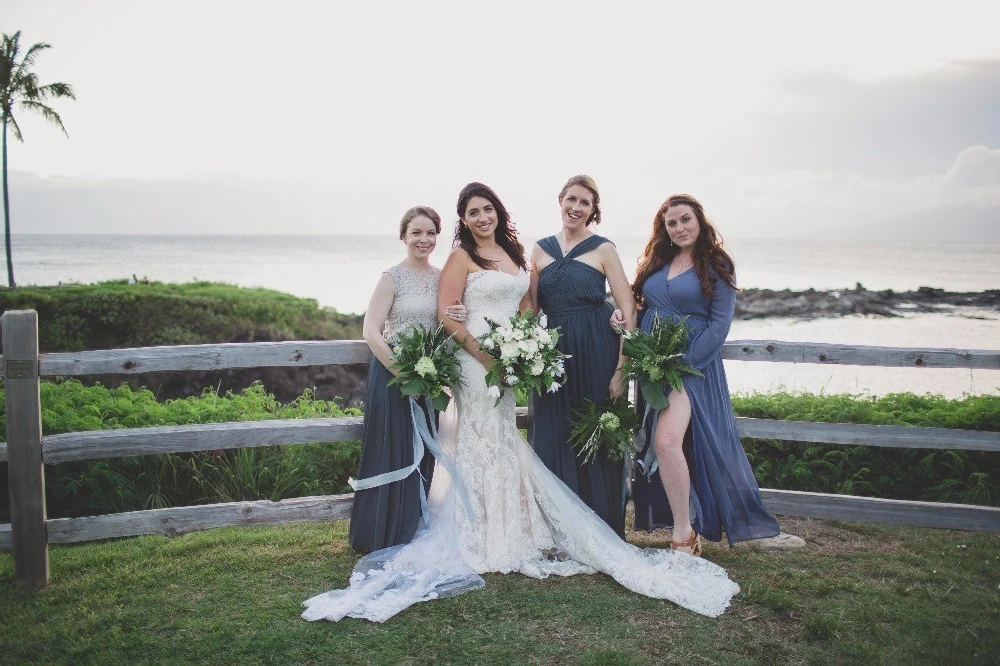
(24, 448)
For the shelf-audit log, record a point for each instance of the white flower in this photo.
(397, 350)
(543, 321)
(537, 368)
(511, 380)
(529, 347)
(554, 386)
(425, 366)
(488, 343)
(509, 369)
(493, 392)
(508, 350)
(518, 334)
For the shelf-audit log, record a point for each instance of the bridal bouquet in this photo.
(655, 359)
(525, 353)
(607, 429)
(425, 365)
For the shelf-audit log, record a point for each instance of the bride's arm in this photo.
(532, 294)
(450, 288)
(526, 304)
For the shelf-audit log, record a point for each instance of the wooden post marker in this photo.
(24, 448)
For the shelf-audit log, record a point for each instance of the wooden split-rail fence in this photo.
(26, 450)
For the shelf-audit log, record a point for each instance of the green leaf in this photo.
(653, 393)
(440, 402)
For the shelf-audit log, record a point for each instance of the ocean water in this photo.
(340, 272)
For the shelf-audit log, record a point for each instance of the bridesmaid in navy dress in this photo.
(569, 274)
(705, 482)
(387, 512)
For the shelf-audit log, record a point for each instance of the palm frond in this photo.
(29, 56)
(47, 112)
(56, 90)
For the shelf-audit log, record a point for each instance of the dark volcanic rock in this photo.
(345, 382)
(762, 303)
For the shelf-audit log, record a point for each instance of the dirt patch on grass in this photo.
(823, 536)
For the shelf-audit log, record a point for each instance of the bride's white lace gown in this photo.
(521, 514)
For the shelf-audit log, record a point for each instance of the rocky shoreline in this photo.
(812, 304)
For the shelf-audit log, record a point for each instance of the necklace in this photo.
(564, 242)
(682, 264)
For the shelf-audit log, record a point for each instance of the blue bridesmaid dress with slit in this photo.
(724, 492)
(572, 295)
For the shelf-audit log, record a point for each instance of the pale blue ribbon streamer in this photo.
(422, 436)
(648, 464)
(430, 440)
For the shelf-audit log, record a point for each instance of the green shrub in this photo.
(937, 475)
(115, 314)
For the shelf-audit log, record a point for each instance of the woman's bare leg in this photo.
(669, 442)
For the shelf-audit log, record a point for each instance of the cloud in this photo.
(965, 197)
(895, 127)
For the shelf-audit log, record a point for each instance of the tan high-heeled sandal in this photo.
(694, 543)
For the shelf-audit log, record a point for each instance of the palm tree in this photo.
(19, 86)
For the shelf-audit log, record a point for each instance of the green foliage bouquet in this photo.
(655, 359)
(425, 365)
(525, 353)
(606, 429)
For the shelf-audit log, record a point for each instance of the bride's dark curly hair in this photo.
(505, 234)
(710, 259)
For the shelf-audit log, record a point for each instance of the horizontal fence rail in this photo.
(205, 357)
(124, 442)
(875, 510)
(344, 352)
(886, 357)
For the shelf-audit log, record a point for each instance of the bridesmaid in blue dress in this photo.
(387, 512)
(705, 482)
(569, 274)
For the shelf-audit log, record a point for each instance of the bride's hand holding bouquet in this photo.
(524, 355)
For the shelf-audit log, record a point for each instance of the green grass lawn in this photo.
(855, 594)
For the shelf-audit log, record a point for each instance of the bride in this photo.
(494, 505)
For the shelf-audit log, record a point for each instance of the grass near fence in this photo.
(855, 594)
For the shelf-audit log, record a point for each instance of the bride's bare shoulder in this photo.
(459, 261)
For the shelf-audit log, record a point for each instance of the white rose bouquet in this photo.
(525, 355)
(425, 365)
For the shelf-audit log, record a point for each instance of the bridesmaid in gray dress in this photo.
(388, 513)
(569, 276)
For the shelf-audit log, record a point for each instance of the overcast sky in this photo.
(868, 120)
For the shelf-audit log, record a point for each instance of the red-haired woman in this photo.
(707, 482)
